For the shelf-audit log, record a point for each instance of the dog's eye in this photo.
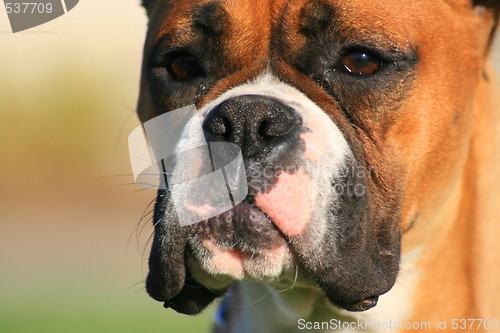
(361, 63)
(184, 67)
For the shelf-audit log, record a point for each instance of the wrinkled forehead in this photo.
(235, 26)
(249, 21)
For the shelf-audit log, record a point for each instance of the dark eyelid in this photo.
(376, 52)
(162, 49)
(155, 54)
(383, 45)
(164, 57)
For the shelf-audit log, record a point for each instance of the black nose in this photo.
(256, 123)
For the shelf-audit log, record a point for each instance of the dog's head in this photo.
(353, 119)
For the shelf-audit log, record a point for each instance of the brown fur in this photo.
(442, 142)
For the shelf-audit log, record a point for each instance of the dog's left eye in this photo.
(361, 63)
(184, 67)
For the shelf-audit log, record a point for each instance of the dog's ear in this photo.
(487, 3)
(158, 6)
(489, 10)
(488, 6)
(148, 4)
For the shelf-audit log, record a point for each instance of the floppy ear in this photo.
(147, 4)
(487, 3)
(159, 6)
(488, 6)
(489, 10)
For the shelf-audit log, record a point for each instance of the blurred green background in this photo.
(73, 251)
(71, 259)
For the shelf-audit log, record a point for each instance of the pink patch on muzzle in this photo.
(287, 203)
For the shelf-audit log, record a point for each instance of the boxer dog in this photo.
(370, 139)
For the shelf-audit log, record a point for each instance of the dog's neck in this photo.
(457, 238)
(486, 151)
(259, 307)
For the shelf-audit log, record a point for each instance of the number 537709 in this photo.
(28, 8)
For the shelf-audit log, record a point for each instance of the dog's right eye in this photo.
(184, 67)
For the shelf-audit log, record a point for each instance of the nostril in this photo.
(269, 130)
(263, 131)
(218, 126)
(282, 122)
(279, 128)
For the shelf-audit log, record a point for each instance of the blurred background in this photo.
(72, 249)
(73, 238)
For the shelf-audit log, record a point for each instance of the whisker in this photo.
(252, 303)
(132, 112)
(136, 284)
(294, 280)
(150, 235)
(142, 289)
(135, 231)
(146, 189)
(130, 184)
(113, 176)
(147, 242)
(144, 222)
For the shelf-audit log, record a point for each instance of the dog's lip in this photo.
(247, 231)
(240, 264)
(363, 305)
(239, 252)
